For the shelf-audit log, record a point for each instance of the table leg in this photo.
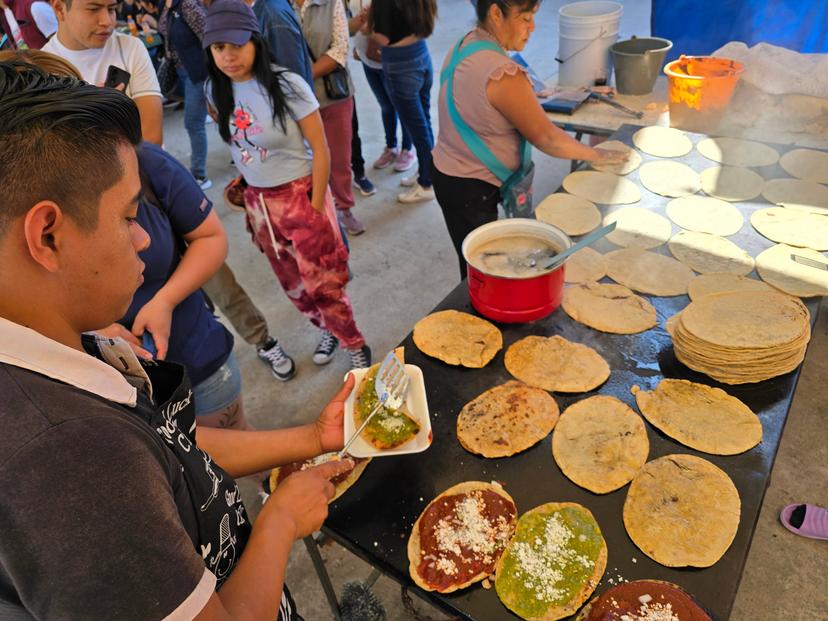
(322, 573)
(576, 163)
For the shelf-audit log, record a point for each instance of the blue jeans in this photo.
(195, 112)
(376, 80)
(218, 391)
(409, 74)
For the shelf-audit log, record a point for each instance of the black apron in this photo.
(222, 527)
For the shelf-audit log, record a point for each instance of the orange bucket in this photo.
(699, 88)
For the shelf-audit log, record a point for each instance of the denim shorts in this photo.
(219, 390)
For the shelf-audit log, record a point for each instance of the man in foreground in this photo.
(115, 506)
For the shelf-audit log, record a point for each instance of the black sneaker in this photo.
(366, 188)
(361, 358)
(281, 365)
(326, 349)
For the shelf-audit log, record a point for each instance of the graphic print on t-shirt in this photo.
(245, 124)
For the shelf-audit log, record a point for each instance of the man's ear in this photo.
(60, 8)
(42, 227)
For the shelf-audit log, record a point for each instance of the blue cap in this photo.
(229, 21)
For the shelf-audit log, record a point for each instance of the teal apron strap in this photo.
(473, 141)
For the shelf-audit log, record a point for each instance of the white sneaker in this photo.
(281, 365)
(409, 182)
(417, 194)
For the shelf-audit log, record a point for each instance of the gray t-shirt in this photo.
(266, 155)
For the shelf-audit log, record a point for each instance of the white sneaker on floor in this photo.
(281, 365)
(205, 183)
(417, 194)
(409, 182)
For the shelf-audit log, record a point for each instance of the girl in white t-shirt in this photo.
(270, 118)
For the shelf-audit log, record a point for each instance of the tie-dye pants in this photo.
(307, 254)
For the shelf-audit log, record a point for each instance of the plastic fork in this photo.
(391, 387)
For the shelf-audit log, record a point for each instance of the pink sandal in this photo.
(814, 520)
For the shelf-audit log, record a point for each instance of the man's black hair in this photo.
(59, 140)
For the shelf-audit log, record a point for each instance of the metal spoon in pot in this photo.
(586, 240)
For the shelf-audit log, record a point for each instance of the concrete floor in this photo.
(404, 265)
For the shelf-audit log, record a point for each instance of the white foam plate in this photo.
(417, 407)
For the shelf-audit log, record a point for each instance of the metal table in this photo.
(374, 519)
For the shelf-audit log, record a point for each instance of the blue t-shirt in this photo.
(197, 339)
(283, 36)
(266, 155)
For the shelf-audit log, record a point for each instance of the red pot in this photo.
(515, 300)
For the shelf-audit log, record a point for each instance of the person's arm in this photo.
(241, 453)
(513, 97)
(314, 132)
(297, 508)
(206, 251)
(337, 54)
(152, 118)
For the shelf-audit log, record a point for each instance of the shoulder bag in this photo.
(516, 188)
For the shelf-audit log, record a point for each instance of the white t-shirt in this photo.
(123, 51)
(44, 18)
(264, 154)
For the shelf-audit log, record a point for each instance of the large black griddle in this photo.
(375, 517)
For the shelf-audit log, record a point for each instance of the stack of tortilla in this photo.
(740, 337)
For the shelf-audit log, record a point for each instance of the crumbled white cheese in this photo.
(466, 530)
(393, 424)
(543, 562)
(447, 566)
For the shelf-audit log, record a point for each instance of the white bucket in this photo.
(587, 30)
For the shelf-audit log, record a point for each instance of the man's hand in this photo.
(330, 421)
(301, 500)
(116, 330)
(610, 157)
(156, 318)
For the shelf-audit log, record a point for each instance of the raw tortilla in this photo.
(627, 167)
(671, 179)
(707, 253)
(732, 183)
(603, 188)
(608, 307)
(794, 227)
(572, 214)
(777, 268)
(737, 152)
(585, 264)
(719, 282)
(648, 272)
(638, 227)
(682, 511)
(662, 141)
(806, 164)
(702, 417)
(797, 194)
(600, 443)
(555, 364)
(705, 215)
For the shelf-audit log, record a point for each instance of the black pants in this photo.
(466, 204)
(357, 162)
